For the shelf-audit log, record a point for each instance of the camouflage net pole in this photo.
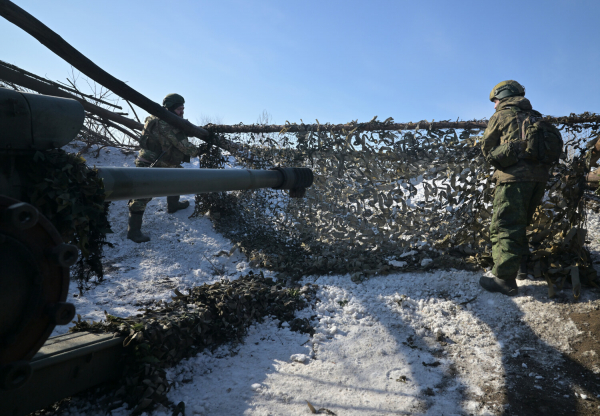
(387, 125)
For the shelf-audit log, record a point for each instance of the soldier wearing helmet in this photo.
(520, 186)
(162, 145)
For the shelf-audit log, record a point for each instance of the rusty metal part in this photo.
(65, 365)
(34, 282)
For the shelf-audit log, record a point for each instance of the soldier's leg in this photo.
(536, 198)
(508, 236)
(174, 205)
(508, 227)
(537, 194)
(136, 213)
(522, 273)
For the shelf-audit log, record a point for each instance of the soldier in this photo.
(164, 146)
(520, 184)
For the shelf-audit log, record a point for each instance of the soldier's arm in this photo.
(593, 154)
(491, 137)
(169, 135)
(498, 154)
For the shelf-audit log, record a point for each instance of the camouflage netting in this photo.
(206, 317)
(71, 195)
(386, 199)
(211, 157)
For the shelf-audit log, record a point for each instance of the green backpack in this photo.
(147, 140)
(543, 140)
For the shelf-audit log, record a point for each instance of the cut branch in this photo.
(23, 80)
(134, 113)
(104, 141)
(60, 47)
(57, 84)
(116, 126)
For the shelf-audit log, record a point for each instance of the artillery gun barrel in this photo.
(133, 183)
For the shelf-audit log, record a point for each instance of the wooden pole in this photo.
(294, 128)
(382, 126)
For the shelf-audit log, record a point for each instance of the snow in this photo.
(183, 252)
(404, 343)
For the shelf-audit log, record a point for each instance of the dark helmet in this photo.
(173, 101)
(505, 89)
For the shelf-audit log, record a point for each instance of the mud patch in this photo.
(570, 386)
(587, 347)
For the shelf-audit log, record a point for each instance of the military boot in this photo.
(134, 229)
(173, 204)
(522, 273)
(494, 284)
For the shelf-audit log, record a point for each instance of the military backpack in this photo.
(543, 141)
(147, 140)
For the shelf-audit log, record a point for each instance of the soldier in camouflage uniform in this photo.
(520, 186)
(166, 147)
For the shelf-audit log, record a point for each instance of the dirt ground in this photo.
(573, 387)
(537, 386)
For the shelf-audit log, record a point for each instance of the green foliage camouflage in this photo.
(71, 195)
(386, 199)
(206, 317)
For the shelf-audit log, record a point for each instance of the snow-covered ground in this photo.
(402, 344)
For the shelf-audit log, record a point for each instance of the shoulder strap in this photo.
(522, 117)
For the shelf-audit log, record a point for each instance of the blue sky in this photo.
(334, 61)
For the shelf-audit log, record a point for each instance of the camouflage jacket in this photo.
(503, 128)
(159, 136)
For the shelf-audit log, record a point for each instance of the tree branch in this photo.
(57, 84)
(134, 113)
(116, 126)
(60, 47)
(21, 79)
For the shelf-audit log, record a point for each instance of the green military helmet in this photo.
(505, 89)
(172, 101)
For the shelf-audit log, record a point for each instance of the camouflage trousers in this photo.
(514, 205)
(139, 205)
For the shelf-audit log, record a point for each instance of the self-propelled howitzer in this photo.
(34, 260)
